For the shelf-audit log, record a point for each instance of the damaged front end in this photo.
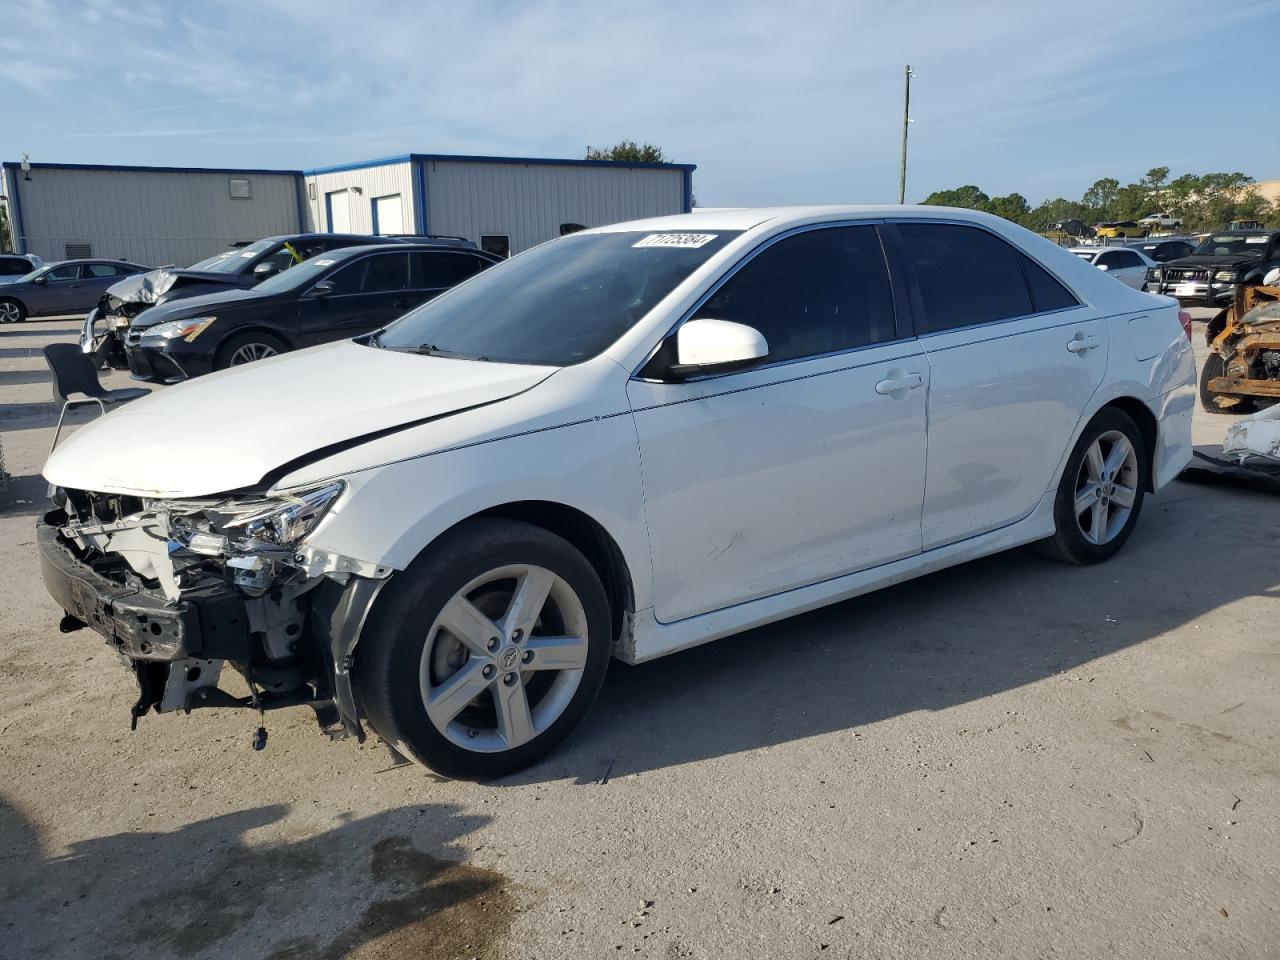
(182, 588)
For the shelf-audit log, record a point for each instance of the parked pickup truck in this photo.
(1209, 275)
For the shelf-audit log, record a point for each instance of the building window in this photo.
(240, 189)
(499, 244)
(311, 190)
(79, 251)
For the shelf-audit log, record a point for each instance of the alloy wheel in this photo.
(9, 312)
(251, 352)
(504, 658)
(1106, 487)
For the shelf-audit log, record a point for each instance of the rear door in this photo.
(1125, 265)
(1014, 359)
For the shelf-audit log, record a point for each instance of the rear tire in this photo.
(447, 675)
(1216, 366)
(1101, 491)
(11, 311)
(246, 347)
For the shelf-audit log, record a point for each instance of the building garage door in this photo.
(388, 215)
(337, 206)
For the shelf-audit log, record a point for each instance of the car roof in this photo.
(745, 218)
(343, 253)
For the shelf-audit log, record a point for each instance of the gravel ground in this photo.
(1009, 759)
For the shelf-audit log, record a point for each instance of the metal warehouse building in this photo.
(163, 215)
(153, 215)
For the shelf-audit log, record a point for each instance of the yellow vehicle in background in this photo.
(1121, 228)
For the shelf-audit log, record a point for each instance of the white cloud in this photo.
(774, 102)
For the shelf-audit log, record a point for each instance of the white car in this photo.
(1161, 220)
(621, 443)
(1126, 264)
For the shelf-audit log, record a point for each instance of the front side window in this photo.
(966, 276)
(816, 292)
(68, 271)
(559, 303)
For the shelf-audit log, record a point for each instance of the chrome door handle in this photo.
(1081, 343)
(896, 384)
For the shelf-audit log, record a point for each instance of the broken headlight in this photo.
(286, 519)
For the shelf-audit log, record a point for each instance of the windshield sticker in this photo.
(1255, 239)
(683, 241)
(325, 263)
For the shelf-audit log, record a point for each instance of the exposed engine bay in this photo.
(182, 588)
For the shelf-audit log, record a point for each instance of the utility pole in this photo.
(906, 119)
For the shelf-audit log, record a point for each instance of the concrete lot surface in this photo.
(1014, 758)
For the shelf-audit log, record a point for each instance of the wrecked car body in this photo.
(1254, 441)
(618, 444)
(1242, 371)
(241, 267)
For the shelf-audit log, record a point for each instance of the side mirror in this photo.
(264, 270)
(716, 346)
(1103, 267)
(42, 279)
(322, 289)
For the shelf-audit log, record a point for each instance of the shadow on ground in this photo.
(949, 638)
(362, 888)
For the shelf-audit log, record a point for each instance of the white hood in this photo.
(229, 429)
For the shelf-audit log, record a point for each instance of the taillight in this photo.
(1184, 318)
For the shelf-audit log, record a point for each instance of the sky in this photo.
(795, 102)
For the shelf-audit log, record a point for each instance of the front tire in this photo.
(11, 311)
(1101, 492)
(248, 347)
(487, 651)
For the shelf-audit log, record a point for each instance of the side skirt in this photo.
(651, 639)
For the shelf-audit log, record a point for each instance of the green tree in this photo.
(1102, 196)
(1156, 178)
(966, 196)
(630, 151)
(1013, 207)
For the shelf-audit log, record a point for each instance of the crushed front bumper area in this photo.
(293, 644)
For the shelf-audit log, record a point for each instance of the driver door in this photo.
(805, 467)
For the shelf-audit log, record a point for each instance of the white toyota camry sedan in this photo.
(621, 443)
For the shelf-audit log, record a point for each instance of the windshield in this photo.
(303, 274)
(232, 261)
(558, 304)
(1234, 245)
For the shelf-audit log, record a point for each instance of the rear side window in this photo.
(101, 270)
(966, 276)
(817, 292)
(387, 272)
(439, 271)
(1046, 292)
(14, 267)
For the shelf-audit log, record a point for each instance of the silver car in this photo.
(69, 288)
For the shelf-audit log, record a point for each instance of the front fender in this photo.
(391, 513)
